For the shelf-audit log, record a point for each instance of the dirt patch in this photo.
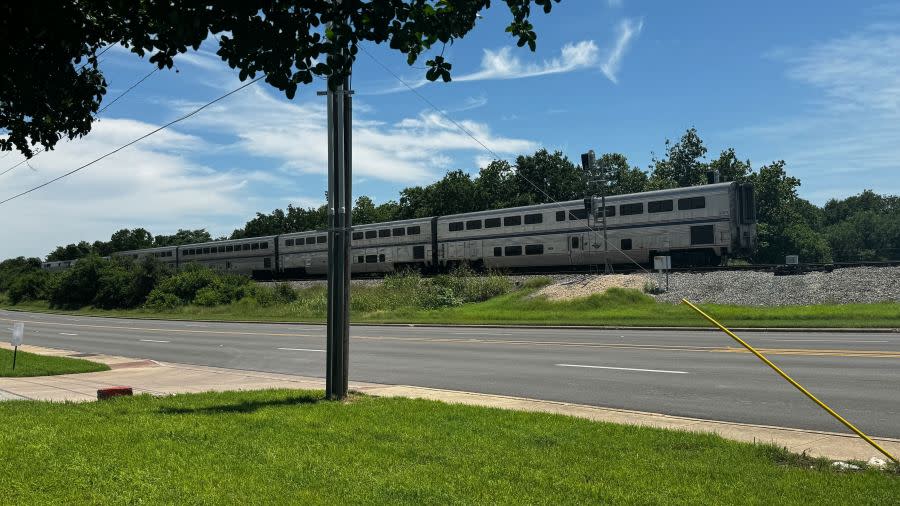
(584, 286)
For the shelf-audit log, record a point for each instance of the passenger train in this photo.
(698, 225)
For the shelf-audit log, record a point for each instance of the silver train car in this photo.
(699, 225)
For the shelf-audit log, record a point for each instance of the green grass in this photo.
(29, 364)
(280, 447)
(616, 307)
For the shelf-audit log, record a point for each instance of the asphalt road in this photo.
(700, 374)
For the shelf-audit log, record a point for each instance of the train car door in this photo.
(473, 250)
(576, 249)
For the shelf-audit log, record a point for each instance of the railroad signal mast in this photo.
(588, 163)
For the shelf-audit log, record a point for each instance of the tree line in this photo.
(861, 227)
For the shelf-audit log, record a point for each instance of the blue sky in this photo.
(814, 83)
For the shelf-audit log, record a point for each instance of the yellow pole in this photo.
(791, 381)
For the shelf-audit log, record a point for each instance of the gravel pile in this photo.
(584, 286)
(841, 286)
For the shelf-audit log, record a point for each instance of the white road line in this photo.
(622, 368)
(153, 341)
(300, 349)
(848, 341)
(67, 334)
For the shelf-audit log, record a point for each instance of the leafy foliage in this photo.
(45, 95)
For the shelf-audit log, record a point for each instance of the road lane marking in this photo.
(622, 368)
(153, 341)
(67, 334)
(848, 341)
(301, 349)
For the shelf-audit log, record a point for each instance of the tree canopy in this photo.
(52, 84)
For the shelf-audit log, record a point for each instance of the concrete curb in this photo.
(835, 330)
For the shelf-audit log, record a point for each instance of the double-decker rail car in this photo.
(253, 256)
(698, 225)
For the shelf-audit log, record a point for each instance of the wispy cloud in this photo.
(628, 29)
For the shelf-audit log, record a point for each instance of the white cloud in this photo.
(628, 29)
(504, 64)
(293, 136)
(153, 184)
(846, 140)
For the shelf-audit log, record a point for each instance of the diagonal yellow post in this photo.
(791, 381)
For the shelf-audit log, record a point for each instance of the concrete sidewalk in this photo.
(159, 378)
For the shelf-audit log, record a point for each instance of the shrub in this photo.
(538, 282)
(77, 286)
(285, 293)
(438, 296)
(212, 295)
(159, 300)
(114, 285)
(28, 286)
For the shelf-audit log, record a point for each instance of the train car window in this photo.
(659, 206)
(254, 246)
(418, 252)
(534, 249)
(310, 240)
(267, 263)
(221, 249)
(371, 259)
(578, 214)
(206, 251)
(246, 247)
(492, 223)
(381, 257)
(498, 251)
(455, 226)
(511, 221)
(473, 225)
(629, 209)
(357, 236)
(371, 234)
(398, 232)
(322, 239)
(686, 204)
(576, 242)
(626, 244)
(702, 234)
(610, 211)
(289, 242)
(532, 219)
(385, 232)
(512, 251)
(560, 216)
(229, 249)
(416, 230)
(264, 245)
(360, 259)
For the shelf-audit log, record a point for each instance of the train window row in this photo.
(230, 248)
(576, 214)
(654, 206)
(508, 221)
(321, 239)
(514, 251)
(161, 254)
(387, 232)
(417, 251)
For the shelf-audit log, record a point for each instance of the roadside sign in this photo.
(17, 334)
(662, 263)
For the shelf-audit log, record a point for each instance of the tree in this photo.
(682, 165)
(181, 237)
(127, 240)
(545, 177)
(70, 252)
(621, 178)
(730, 168)
(364, 211)
(45, 95)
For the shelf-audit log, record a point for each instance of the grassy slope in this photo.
(615, 307)
(276, 447)
(29, 364)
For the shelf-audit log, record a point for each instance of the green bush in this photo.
(28, 286)
(212, 295)
(538, 282)
(114, 285)
(438, 296)
(77, 286)
(159, 300)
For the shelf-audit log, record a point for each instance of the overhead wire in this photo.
(486, 148)
(105, 107)
(135, 141)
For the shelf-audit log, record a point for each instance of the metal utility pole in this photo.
(340, 208)
(589, 162)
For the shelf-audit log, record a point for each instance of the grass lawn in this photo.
(29, 364)
(280, 446)
(616, 307)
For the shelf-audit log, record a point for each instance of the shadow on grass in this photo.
(240, 407)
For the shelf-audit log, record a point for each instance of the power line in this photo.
(135, 141)
(483, 145)
(105, 107)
